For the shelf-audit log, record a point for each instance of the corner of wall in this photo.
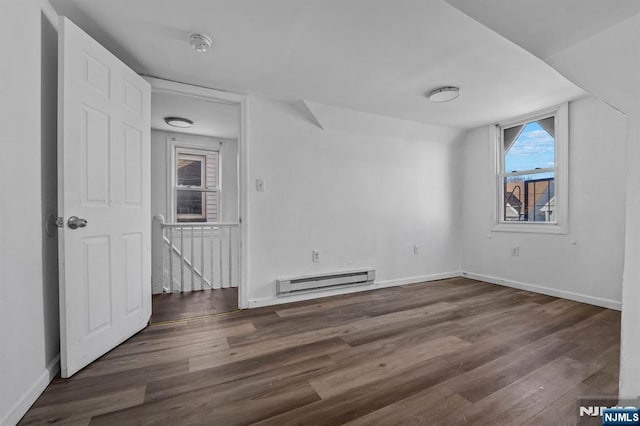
(31, 395)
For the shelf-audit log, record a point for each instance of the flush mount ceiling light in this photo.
(178, 122)
(200, 42)
(444, 94)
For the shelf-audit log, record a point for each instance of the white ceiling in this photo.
(379, 56)
(209, 118)
(545, 27)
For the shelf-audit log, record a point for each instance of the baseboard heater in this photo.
(322, 281)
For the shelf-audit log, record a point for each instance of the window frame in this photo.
(190, 147)
(561, 178)
(201, 157)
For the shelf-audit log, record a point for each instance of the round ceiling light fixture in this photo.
(444, 94)
(183, 123)
(200, 42)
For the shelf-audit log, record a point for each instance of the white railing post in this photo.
(157, 254)
(223, 260)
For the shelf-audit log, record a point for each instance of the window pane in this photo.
(530, 147)
(190, 204)
(190, 170)
(529, 198)
(196, 206)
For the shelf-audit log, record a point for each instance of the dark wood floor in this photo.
(177, 306)
(450, 352)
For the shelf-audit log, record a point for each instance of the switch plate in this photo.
(260, 185)
(315, 255)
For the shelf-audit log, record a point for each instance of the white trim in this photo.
(197, 92)
(530, 172)
(578, 297)
(182, 149)
(183, 142)
(529, 228)
(25, 402)
(417, 279)
(536, 115)
(159, 85)
(561, 176)
(534, 288)
(270, 301)
(243, 200)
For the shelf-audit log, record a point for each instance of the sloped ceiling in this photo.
(378, 56)
(546, 27)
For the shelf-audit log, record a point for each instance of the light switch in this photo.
(260, 185)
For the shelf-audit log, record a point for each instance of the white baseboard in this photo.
(418, 279)
(30, 396)
(270, 301)
(578, 297)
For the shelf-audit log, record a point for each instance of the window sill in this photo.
(530, 228)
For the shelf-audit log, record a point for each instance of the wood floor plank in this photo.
(176, 306)
(82, 386)
(563, 411)
(262, 395)
(253, 367)
(493, 376)
(159, 356)
(379, 368)
(239, 351)
(422, 408)
(449, 352)
(370, 397)
(526, 397)
(82, 409)
(440, 316)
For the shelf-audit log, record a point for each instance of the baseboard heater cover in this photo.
(321, 281)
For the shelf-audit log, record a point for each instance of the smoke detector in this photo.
(200, 42)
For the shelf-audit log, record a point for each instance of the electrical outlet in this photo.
(515, 251)
(260, 185)
(415, 250)
(315, 255)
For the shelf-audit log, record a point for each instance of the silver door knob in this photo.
(75, 222)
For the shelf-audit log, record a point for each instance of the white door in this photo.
(103, 168)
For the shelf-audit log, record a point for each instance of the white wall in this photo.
(360, 195)
(28, 258)
(608, 66)
(587, 263)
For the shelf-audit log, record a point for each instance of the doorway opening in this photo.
(195, 203)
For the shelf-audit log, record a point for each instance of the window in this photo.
(532, 173)
(196, 185)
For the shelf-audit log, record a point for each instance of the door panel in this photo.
(134, 273)
(104, 161)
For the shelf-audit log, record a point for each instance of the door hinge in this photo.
(51, 224)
